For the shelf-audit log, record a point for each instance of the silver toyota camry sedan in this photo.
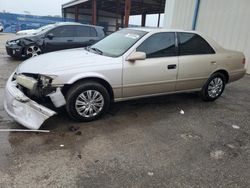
(128, 64)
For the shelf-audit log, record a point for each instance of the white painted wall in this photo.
(169, 13)
(179, 14)
(226, 21)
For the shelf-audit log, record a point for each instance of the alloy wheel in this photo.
(89, 103)
(33, 51)
(215, 87)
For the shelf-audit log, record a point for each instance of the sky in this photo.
(53, 7)
(35, 7)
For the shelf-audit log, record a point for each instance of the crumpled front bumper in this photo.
(24, 110)
(14, 50)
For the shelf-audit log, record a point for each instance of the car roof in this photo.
(212, 42)
(155, 30)
(74, 23)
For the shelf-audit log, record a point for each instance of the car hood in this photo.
(30, 31)
(61, 61)
(28, 37)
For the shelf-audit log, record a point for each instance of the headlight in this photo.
(14, 42)
(26, 81)
(46, 80)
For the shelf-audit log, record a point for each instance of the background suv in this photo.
(58, 37)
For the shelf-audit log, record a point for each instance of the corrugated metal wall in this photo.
(226, 21)
(182, 14)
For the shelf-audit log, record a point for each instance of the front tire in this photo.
(32, 51)
(214, 87)
(87, 101)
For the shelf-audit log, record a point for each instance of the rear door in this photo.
(85, 36)
(157, 73)
(64, 38)
(197, 60)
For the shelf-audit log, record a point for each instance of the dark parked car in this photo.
(63, 35)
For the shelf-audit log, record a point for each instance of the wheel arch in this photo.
(99, 80)
(224, 72)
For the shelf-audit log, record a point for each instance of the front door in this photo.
(157, 73)
(63, 38)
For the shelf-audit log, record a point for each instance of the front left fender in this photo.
(87, 75)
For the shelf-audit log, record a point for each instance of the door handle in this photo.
(173, 66)
(69, 40)
(213, 62)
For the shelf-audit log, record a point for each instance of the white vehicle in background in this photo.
(1, 27)
(34, 31)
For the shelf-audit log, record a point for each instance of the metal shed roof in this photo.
(137, 7)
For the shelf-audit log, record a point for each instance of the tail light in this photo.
(244, 61)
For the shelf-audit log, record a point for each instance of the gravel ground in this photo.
(142, 143)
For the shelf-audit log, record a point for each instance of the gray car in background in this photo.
(59, 36)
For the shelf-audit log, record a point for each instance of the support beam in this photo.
(195, 16)
(143, 19)
(94, 12)
(127, 12)
(64, 14)
(122, 21)
(159, 20)
(76, 13)
(117, 15)
(159, 15)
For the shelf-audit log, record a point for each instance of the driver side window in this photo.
(159, 45)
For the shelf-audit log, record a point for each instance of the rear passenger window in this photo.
(85, 31)
(93, 32)
(82, 31)
(64, 31)
(193, 44)
(159, 45)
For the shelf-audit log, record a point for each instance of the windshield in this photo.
(44, 28)
(118, 43)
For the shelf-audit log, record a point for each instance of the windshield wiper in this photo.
(96, 50)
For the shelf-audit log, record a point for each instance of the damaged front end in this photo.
(26, 96)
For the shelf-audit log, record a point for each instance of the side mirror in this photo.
(136, 56)
(50, 36)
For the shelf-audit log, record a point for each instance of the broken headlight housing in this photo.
(46, 80)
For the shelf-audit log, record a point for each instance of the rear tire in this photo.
(214, 87)
(87, 101)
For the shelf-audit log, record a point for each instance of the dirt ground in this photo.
(141, 143)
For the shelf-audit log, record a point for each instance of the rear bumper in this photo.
(24, 110)
(237, 75)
